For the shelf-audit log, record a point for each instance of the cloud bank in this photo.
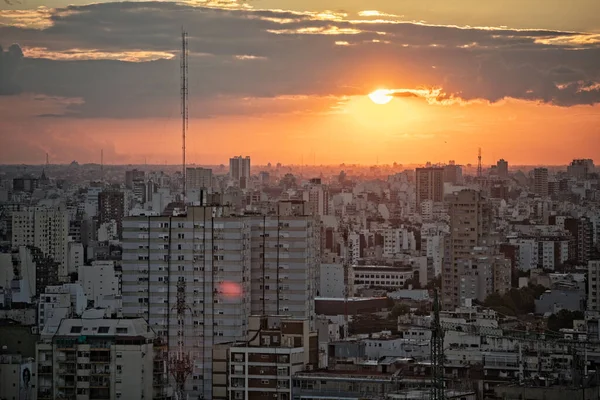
(121, 59)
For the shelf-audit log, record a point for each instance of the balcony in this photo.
(45, 370)
(67, 371)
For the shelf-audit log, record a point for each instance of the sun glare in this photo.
(381, 96)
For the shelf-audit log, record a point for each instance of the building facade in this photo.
(111, 207)
(470, 225)
(44, 228)
(430, 184)
(205, 253)
(198, 178)
(100, 359)
(239, 168)
(540, 181)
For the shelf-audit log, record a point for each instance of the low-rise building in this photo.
(263, 366)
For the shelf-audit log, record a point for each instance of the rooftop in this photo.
(100, 327)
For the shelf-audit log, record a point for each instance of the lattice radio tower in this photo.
(184, 100)
(180, 363)
(479, 169)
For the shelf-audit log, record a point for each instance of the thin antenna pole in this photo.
(102, 165)
(479, 168)
(47, 160)
(184, 99)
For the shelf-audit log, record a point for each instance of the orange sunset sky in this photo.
(288, 81)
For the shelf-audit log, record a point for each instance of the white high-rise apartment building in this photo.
(46, 229)
(593, 300)
(239, 167)
(198, 178)
(206, 253)
(285, 265)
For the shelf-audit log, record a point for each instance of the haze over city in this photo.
(289, 81)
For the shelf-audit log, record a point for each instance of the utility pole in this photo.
(437, 352)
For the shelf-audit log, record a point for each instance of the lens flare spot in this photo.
(230, 289)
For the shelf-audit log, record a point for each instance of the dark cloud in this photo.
(239, 54)
(10, 61)
(405, 94)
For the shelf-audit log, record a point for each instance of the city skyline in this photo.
(292, 83)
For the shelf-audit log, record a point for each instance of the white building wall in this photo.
(99, 280)
(75, 257)
(332, 281)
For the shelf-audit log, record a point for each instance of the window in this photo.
(75, 329)
(103, 329)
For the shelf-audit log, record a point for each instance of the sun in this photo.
(381, 96)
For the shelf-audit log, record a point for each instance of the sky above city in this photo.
(288, 81)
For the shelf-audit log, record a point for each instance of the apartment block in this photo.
(206, 254)
(239, 168)
(198, 178)
(582, 230)
(100, 359)
(263, 367)
(483, 274)
(470, 226)
(430, 184)
(540, 181)
(44, 228)
(593, 300)
(111, 207)
(285, 263)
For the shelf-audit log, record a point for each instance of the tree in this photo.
(399, 309)
(435, 283)
(563, 320)
(515, 301)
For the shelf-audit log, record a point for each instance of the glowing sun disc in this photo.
(381, 96)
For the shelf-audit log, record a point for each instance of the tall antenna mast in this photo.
(479, 169)
(47, 160)
(102, 165)
(184, 98)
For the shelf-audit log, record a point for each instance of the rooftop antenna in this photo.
(47, 160)
(479, 169)
(184, 98)
(102, 165)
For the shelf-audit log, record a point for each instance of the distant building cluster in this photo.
(298, 282)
